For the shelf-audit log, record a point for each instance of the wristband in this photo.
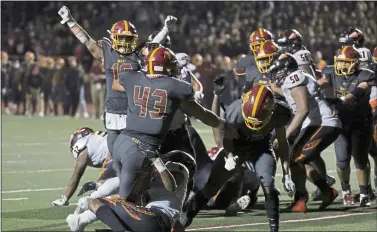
(82, 36)
(160, 166)
(71, 23)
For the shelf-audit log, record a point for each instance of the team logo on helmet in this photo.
(257, 107)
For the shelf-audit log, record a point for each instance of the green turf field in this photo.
(36, 165)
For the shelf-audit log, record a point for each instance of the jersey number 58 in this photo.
(142, 97)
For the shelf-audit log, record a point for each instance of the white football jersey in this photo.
(169, 202)
(97, 149)
(373, 97)
(303, 57)
(365, 57)
(320, 112)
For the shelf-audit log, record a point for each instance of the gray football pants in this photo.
(132, 166)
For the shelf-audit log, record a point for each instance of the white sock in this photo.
(109, 187)
(87, 217)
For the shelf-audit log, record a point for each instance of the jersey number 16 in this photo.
(142, 97)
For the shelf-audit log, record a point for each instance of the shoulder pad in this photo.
(294, 79)
(79, 146)
(182, 59)
(191, 67)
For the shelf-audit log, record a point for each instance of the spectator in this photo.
(26, 67)
(98, 88)
(58, 91)
(72, 84)
(16, 85)
(5, 80)
(34, 84)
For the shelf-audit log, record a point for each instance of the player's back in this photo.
(320, 112)
(114, 64)
(97, 148)
(152, 104)
(365, 59)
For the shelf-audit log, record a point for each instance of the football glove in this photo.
(65, 14)
(170, 21)
(88, 186)
(198, 96)
(60, 202)
(289, 186)
(219, 85)
(230, 163)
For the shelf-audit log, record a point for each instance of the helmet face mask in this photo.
(264, 56)
(344, 66)
(124, 44)
(346, 61)
(263, 63)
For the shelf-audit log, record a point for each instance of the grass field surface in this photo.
(36, 166)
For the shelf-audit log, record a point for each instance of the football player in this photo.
(318, 123)
(153, 100)
(246, 66)
(373, 103)
(355, 37)
(254, 117)
(290, 41)
(118, 54)
(352, 84)
(161, 209)
(89, 148)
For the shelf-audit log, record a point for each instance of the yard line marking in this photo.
(44, 170)
(31, 190)
(284, 221)
(15, 199)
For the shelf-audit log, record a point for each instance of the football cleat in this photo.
(237, 205)
(317, 195)
(364, 200)
(348, 199)
(298, 206)
(328, 198)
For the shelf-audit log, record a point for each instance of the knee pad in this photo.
(343, 164)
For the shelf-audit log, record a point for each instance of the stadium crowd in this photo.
(218, 31)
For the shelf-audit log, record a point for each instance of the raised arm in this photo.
(80, 33)
(169, 22)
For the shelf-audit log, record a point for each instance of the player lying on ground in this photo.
(89, 148)
(255, 117)
(160, 212)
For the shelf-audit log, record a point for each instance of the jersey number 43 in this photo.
(142, 96)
